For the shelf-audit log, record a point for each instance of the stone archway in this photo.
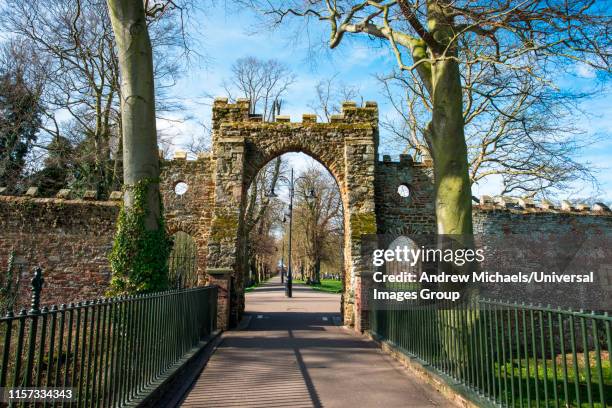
(243, 144)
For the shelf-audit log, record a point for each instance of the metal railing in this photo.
(513, 355)
(109, 352)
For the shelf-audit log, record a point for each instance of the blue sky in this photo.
(222, 37)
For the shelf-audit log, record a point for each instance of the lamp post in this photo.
(291, 183)
(283, 261)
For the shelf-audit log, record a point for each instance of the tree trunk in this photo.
(446, 133)
(453, 197)
(140, 154)
(139, 259)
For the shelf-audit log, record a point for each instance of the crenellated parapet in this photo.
(520, 205)
(64, 195)
(405, 161)
(223, 111)
(240, 111)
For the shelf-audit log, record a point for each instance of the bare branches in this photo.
(516, 127)
(262, 82)
(72, 44)
(414, 22)
(330, 93)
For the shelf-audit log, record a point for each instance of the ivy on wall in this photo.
(139, 258)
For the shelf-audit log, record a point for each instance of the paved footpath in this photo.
(293, 354)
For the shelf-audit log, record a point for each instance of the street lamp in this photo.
(291, 183)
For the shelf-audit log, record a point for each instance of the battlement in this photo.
(240, 111)
(529, 206)
(181, 156)
(64, 195)
(405, 160)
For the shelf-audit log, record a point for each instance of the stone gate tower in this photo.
(243, 144)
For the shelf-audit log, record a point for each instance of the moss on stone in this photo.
(362, 224)
(224, 226)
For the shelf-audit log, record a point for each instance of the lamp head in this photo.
(311, 195)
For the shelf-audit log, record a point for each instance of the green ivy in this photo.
(139, 258)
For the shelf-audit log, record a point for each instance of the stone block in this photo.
(32, 192)
(583, 207)
(566, 206)
(90, 195)
(309, 118)
(405, 159)
(63, 193)
(283, 118)
(336, 118)
(600, 207)
(116, 196)
(220, 100)
(486, 200)
(526, 202)
(547, 205)
(505, 201)
(180, 155)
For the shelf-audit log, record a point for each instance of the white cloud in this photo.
(584, 71)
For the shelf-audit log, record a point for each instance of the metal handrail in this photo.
(511, 354)
(109, 352)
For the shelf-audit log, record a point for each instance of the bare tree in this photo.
(330, 93)
(515, 128)
(261, 215)
(263, 82)
(528, 37)
(20, 113)
(72, 45)
(318, 223)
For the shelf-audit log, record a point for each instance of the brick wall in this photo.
(414, 214)
(190, 212)
(494, 220)
(70, 239)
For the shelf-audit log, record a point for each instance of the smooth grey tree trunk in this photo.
(140, 152)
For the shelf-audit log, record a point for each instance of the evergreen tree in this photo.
(20, 121)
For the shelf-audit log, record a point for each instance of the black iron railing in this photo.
(513, 355)
(108, 352)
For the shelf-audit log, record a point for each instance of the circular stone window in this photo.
(403, 190)
(180, 188)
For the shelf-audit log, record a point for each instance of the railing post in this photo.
(37, 284)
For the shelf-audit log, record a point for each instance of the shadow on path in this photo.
(293, 355)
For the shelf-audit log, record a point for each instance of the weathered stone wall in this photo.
(243, 144)
(190, 212)
(495, 220)
(397, 215)
(70, 239)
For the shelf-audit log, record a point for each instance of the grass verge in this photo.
(326, 285)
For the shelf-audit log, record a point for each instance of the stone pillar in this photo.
(224, 243)
(360, 218)
(222, 278)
